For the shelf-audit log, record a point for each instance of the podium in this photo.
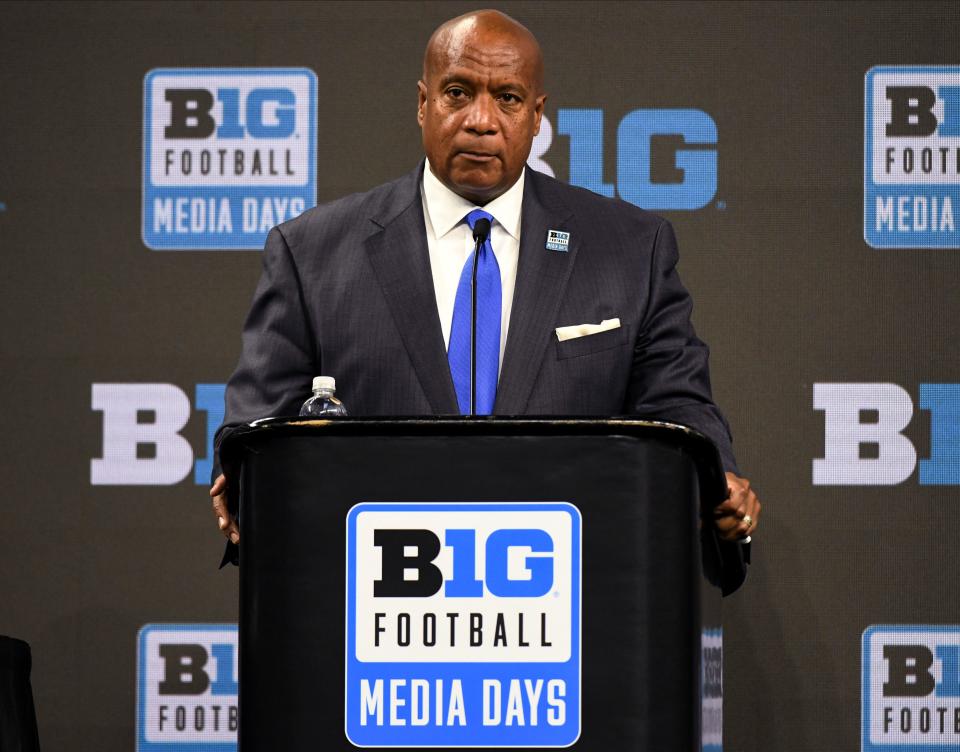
(512, 583)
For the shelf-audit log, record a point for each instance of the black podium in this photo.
(479, 582)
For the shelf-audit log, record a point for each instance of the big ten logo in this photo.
(711, 690)
(911, 687)
(463, 624)
(408, 564)
(666, 159)
(142, 433)
(228, 154)
(864, 443)
(912, 168)
(187, 687)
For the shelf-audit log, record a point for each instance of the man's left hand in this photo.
(737, 517)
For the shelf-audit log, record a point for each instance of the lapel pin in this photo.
(558, 241)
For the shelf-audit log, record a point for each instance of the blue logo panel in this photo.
(912, 156)
(228, 153)
(911, 688)
(711, 690)
(187, 688)
(463, 625)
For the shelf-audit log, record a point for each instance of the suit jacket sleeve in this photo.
(278, 357)
(670, 377)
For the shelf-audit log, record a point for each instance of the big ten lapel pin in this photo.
(557, 240)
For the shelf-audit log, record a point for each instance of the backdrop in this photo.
(808, 155)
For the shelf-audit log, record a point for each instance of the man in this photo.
(373, 289)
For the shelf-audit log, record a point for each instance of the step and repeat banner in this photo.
(808, 155)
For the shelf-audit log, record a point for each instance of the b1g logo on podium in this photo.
(911, 688)
(463, 625)
(227, 154)
(187, 688)
(912, 156)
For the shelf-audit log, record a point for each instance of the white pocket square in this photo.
(584, 330)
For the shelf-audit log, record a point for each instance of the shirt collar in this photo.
(446, 209)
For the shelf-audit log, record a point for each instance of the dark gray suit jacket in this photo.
(347, 292)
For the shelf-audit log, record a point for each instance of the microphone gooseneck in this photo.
(481, 231)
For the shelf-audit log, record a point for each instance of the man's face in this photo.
(480, 107)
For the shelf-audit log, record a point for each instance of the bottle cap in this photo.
(324, 382)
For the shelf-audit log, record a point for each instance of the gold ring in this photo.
(749, 520)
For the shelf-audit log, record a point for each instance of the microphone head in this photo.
(481, 229)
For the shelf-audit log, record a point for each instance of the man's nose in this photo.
(481, 116)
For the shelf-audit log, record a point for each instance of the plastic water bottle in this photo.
(323, 403)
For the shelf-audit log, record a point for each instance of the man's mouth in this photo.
(478, 156)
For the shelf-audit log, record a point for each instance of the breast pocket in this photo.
(593, 343)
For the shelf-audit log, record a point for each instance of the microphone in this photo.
(481, 231)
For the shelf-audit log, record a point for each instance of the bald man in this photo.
(581, 290)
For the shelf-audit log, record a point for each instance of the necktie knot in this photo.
(477, 214)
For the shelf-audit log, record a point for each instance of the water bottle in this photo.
(323, 403)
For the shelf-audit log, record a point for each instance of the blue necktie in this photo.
(489, 300)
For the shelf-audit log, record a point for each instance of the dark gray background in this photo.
(787, 294)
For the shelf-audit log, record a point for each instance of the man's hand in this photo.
(228, 525)
(737, 517)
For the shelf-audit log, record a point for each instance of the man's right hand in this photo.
(228, 525)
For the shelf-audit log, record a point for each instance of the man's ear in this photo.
(422, 101)
(538, 113)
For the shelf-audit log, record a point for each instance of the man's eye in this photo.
(456, 92)
(509, 98)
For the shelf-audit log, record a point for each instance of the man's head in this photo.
(481, 100)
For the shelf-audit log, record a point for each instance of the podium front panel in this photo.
(636, 681)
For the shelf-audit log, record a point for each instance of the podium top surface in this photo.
(239, 443)
(688, 440)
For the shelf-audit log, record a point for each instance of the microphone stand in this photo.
(481, 230)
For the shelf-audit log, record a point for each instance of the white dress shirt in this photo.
(450, 243)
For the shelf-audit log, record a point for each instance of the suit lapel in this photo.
(401, 262)
(541, 279)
